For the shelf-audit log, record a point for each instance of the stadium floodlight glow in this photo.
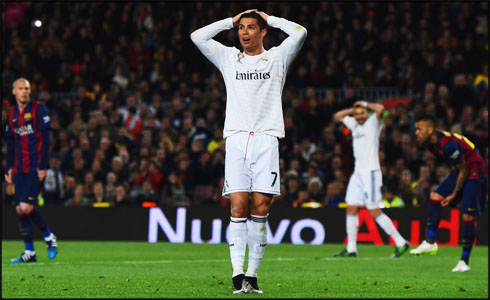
(38, 23)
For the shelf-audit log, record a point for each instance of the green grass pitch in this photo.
(164, 270)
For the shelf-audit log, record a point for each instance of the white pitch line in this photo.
(279, 259)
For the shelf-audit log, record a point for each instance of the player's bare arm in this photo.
(340, 115)
(463, 173)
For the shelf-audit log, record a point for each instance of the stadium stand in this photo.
(135, 107)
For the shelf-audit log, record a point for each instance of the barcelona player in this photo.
(28, 138)
(467, 181)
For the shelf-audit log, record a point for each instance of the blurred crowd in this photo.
(139, 120)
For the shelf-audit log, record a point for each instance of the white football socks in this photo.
(238, 243)
(49, 238)
(257, 240)
(352, 224)
(385, 222)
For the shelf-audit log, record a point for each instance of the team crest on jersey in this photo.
(240, 56)
(265, 58)
(27, 116)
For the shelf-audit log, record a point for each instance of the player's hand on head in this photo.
(360, 103)
(237, 17)
(263, 15)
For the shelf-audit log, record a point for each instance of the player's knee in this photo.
(261, 203)
(435, 196)
(239, 210)
(25, 210)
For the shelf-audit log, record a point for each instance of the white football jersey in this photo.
(253, 83)
(365, 139)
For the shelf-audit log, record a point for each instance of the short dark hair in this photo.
(427, 117)
(254, 15)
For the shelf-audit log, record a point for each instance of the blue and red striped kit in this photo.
(28, 138)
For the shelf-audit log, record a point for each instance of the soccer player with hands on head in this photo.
(28, 140)
(254, 122)
(364, 188)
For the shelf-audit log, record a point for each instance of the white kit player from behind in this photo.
(254, 122)
(364, 186)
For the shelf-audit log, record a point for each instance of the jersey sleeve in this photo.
(44, 125)
(291, 45)
(44, 121)
(453, 151)
(349, 122)
(214, 51)
(9, 135)
(377, 125)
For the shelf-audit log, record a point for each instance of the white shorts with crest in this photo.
(252, 164)
(364, 189)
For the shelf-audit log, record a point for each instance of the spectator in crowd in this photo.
(110, 185)
(53, 189)
(88, 184)
(422, 186)
(120, 198)
(333, 195)
(99, 195)
(292, 188)
(391, 199)
(147, 197)
(78, 199)
(315, 191)
(69, 186)
(107, 91)
(406, 189)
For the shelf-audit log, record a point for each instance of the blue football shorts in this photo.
(26, 187)
(473, 193)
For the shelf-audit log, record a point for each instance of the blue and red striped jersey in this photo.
(456, 148)
(28, 138)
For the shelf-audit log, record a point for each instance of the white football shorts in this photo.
(252, 164)
(364, 189)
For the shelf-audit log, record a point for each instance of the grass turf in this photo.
(164, 270)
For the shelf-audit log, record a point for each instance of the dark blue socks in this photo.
(469, 233)
(433, 220)
(25, 227)
(38, 219)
